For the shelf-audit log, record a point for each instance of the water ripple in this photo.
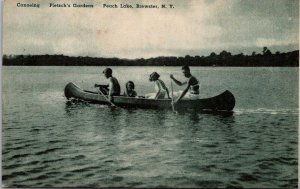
(47, 151)
(48, 142)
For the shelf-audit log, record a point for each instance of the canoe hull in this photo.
(222, 102)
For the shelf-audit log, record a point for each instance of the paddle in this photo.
(172, 103)
(112, 104)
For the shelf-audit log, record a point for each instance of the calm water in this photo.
(48, 142)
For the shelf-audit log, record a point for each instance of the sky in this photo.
(192, 28)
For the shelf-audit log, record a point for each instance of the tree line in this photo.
(224, 58)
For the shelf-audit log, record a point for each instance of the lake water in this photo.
(47, 142)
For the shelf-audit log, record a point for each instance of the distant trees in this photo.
(224, 58)
(224, 54)
(266, 51)
(213, 55)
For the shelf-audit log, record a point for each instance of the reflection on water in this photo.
(183, 146)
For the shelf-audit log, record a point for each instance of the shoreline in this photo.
(224, 59)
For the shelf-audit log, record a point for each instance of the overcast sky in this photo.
(192, 28)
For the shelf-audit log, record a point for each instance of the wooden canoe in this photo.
(222, 102)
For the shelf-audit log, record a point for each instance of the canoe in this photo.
(222, 102)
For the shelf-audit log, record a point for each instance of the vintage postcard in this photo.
(150, 93)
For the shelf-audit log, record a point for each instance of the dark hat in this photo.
(154, 75)
(107, 70)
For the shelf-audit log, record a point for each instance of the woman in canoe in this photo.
(130, 92)
(160, 87)
(192, 89)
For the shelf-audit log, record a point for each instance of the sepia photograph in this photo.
(150, 93)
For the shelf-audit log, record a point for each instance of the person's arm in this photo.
(97, 85)
(176, 81)
(168, 93)
(183, 93)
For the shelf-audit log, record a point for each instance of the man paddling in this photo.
(113, 87)
(192, 89)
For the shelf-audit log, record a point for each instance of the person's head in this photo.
(186, 71)
(154, 76)
(130, 86)
(107, 72)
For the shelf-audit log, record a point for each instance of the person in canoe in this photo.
(192, 89)
(160, 87)
(130, 92)
(113, 87)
